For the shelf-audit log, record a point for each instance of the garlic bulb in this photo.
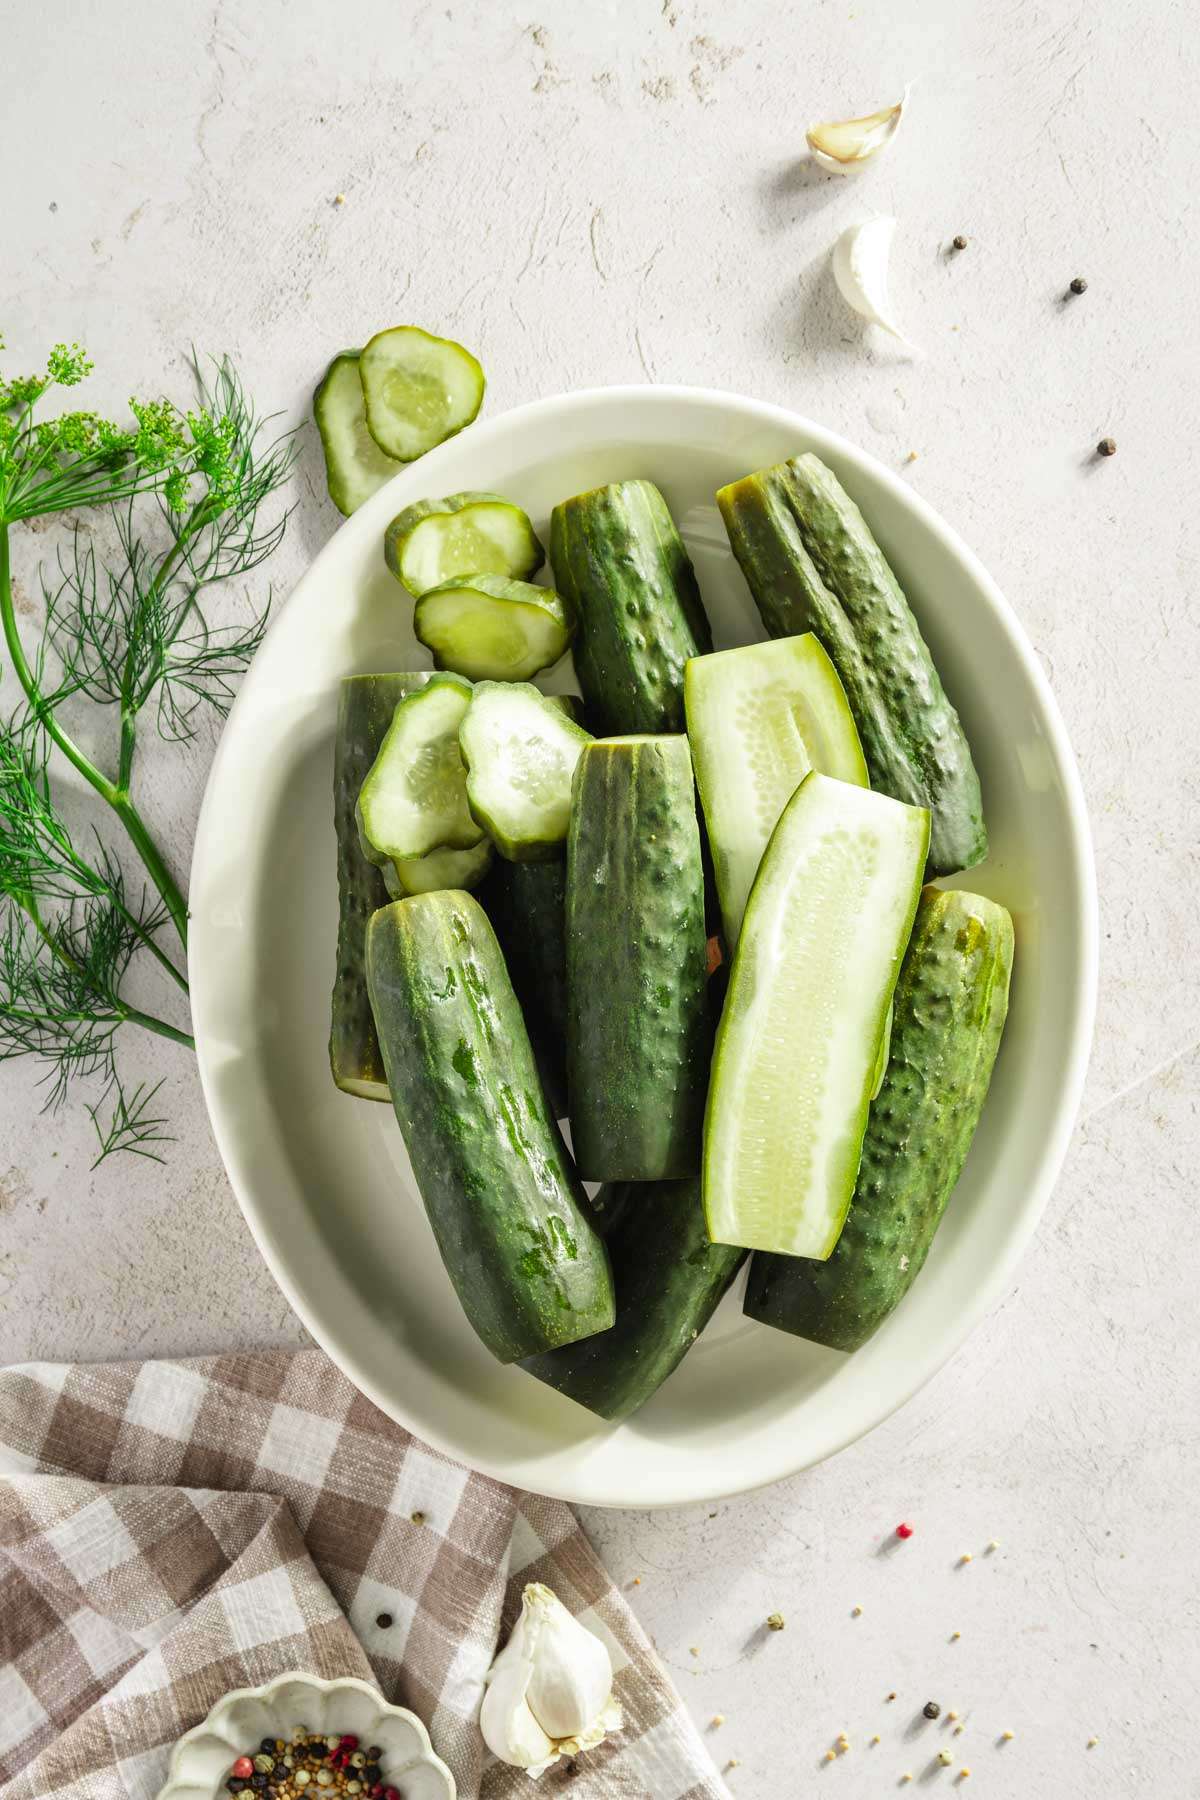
(842, 145)
(549, 1691)
(860, 268)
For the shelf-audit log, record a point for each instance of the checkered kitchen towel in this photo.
(172, 1530)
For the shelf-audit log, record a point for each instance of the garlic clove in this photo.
(509, 1728)
(549, 1691)
(572, 1672)
(842, 145)
(860, 268)
(511, 1732)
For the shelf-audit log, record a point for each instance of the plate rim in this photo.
(872, 1412)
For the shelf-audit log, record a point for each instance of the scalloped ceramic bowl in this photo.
(201, 1761)
(323, 1179)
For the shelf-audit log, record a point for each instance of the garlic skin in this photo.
(860, 268)
(549, 1691)
(843, 145)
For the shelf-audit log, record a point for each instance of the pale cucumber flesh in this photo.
(439, 869)
(414, 799)
(418, 390)
(355, 466)
(521, 749)
(492, 628)
(758, 719)
(796, 1056)
(480, 537)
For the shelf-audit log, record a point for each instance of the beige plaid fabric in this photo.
(172, 1530)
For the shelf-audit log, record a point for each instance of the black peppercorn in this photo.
(932, 1710)
(384, 1621)
(1079, 285)
(1106, 447)
(960, 242)
(374, 1753)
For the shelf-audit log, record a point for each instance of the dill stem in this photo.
(148, 1022)
(29, 905)
(120, 1015)
(108, 790)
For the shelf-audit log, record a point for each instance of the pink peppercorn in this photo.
(904, 1531)
(390, 1794)
(348, 1743)
(243, 1768)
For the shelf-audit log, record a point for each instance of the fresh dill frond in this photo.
(130, 1127)
(185, 492)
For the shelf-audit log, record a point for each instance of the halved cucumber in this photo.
(758, 720)
(439, 869)
(354, 464)
(491, 628)
(795, 1061)
(464, 534)
(951, 1003)
(418, 389)
(520, 749)
(414, 799)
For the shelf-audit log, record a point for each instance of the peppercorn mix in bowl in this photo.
(300, 1736)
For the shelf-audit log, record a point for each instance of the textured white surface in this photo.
(587, 194)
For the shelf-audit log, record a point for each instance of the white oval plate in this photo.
(324, 1180)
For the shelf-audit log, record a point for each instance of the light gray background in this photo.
(603, 193)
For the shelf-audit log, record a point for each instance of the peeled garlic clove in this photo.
(841, 145)
(510, 1730)
(572, 1671)
(860, 268)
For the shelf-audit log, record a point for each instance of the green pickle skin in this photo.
(619, 560)
(951, 1002)
(507, 1208)
(668, 1278)
(365, 707)
(811, 564)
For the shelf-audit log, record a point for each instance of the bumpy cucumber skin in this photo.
(526, 903)
(506, 1206)
(668, 1278)
(616, 553)
(950, 1007)
(365, 707)
(812, 565)
(638, 1029)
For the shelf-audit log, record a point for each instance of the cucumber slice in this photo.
(438, 869)
(490, 628)
(354, 464)
(464, 534)
(795, 1060)
(758, 720)
(418, 390)
(414, 799)
(520, 750)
